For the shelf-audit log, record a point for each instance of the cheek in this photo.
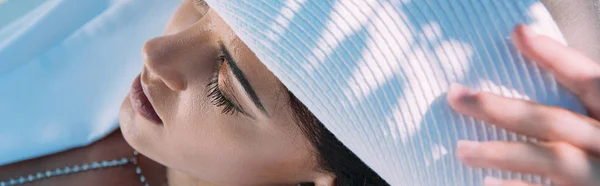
(202, 141)
(230, 149)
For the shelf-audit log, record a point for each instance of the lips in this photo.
(140, 102)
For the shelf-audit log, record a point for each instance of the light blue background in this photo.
(65, 67)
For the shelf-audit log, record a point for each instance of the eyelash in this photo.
(215, 94)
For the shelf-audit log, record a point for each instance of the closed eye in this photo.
(216, 95)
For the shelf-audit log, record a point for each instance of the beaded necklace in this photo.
(69, 170)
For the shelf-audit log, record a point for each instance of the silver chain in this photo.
(68, 170)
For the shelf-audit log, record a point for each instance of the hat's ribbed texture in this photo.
(376, 72)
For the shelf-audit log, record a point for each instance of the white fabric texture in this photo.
(65, 67)
(376, 73)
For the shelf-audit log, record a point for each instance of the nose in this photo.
(182, 56)
(160, 60)
(176, 59)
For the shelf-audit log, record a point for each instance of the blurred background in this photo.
(65, 67)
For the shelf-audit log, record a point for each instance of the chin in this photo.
(137, 131)
(127, 120)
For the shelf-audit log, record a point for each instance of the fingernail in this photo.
(464, 97)
(465, 149)
(528, 32)
(491, 181)
(466, 146)
(462, 90)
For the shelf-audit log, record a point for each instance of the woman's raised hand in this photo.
(568, 150)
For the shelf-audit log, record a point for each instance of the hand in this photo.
(568, 150)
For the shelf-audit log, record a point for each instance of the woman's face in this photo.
(193, 73)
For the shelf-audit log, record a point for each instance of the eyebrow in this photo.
(239, 75)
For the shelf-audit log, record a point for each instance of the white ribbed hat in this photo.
(375, 72)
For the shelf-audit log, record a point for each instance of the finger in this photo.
(559, 161)
(511, 156)
(572, 69)
(528, 118)
(490, 181)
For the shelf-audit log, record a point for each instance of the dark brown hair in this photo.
(333, 156)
